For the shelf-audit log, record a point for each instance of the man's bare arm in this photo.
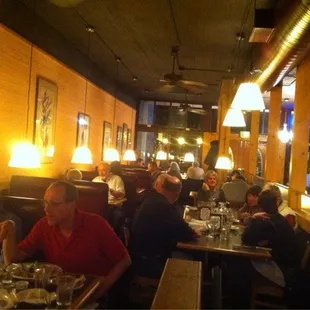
(11, 252)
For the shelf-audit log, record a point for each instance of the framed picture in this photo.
(83, 125)
(119, 136)
(107, 137)
(45, 118)
(125, 137)
(129, 137)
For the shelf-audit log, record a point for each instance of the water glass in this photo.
(65, 284)
(225, 232)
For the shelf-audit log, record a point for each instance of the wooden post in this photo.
(224, 103)
(299, 146)
(253, 145)
(273, 128)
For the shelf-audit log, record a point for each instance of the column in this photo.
(224, 103)
(253, 145)
(273, 128)
(299, 146)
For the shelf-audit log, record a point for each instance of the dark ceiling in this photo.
(142, 32)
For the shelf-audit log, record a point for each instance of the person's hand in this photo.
(6, 228)
(197, 234)
(260, 216)
(244, 215)
(205, 186)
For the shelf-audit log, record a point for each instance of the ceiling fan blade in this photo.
(198, 111)
(193, 83)
(191, 86)
(167, 88)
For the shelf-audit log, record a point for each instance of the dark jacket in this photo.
(276, 234)
(203, 195)
(156, 229)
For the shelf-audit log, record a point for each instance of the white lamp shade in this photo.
(248, 97)
(129, 155)
(284, 135)
(234, 118)
(224, 163)
(82, 155)
(161, 155)
(189, 158)
(25, 155)
(111, 155)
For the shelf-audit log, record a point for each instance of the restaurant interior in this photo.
(166, 81)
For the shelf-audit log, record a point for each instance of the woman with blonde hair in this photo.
(210, 190)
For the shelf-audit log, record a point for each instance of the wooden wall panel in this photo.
(14, 76)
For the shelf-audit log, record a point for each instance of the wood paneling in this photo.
(14, 76)
(253, 145)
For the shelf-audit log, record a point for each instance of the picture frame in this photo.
(125, 137)
(45, 118)
(83, 128)
(107, 137)
(119, 137)
(129, 139)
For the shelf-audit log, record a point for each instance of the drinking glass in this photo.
(225, 232)
(65, 284)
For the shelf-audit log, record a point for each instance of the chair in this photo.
(262, 288)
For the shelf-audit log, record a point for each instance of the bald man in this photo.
(157, 228)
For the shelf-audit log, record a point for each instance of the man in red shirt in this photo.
(78, 242)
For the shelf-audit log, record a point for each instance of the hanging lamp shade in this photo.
(248, 97)
(161, 155)
(25, 155)
(189, 158)
(223, 162)
(82, 155)
(111, 155)
(234, 118)
(129, 155)
(284, 135)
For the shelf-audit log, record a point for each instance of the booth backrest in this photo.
(144, 179)
(89, 175)
(130, 183)
(93, 197)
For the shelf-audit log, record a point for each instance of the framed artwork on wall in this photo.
(119, 136)
(83, 125)
(107, 137)
(129, 137)
(125, 137)
(45, 119)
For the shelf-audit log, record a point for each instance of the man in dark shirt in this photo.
(157, 228)
(274, 232)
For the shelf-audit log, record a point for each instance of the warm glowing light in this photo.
(25, 155)
(248, 97)
(245, 134)
(111, 155)
(181, 140)
(82, 155)
(129, 155)
(285, 135)
(165, 141)
(82, 121)
(189, 158)
(51, 151)
(199, 141)
(224, 163)
(171, 156)
(161, 155)
(234, 118)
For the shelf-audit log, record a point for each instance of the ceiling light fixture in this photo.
(234, 118)
(181, 140)
(248, 97)
(189, 158)
(161, 155)
(224, 163)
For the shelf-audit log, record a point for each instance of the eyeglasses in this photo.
(51, 203)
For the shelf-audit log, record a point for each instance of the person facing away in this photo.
(115, 182)
(209, 190)
(211, 158)
(273, 232)
(78, 242)
(73, 175)
(283, 207)
(174, 170)
(157, 228)
(251, 203)
(235, 190)
(195, 172)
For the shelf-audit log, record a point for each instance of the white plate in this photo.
(22, 272)
(35, 296)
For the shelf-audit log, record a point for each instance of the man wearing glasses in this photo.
(78, 242)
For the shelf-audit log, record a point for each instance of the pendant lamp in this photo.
(248, 97)
(25, 154)
(111, 155)
(129, 155)
(161, 155)
(223, 163)
(189, 158)
(82, 154)
(234, 118)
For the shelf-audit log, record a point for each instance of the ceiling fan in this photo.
(187, 107)
(175, 80)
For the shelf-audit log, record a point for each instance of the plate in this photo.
(25, 271)
(35, 296)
